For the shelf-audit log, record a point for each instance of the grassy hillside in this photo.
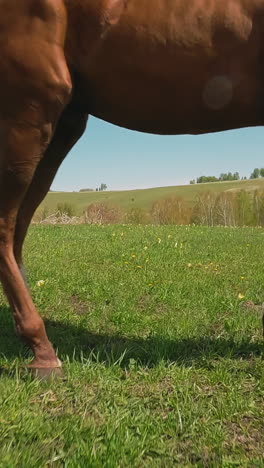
(144, 198)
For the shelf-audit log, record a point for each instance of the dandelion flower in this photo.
(241, 296)
(139, 266)
(159, 240)
(133, 256)
(40, 283)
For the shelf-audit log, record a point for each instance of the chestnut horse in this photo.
(157, 66)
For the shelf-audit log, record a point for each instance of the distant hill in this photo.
(146, 197)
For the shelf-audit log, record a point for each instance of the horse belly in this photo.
(159, 78)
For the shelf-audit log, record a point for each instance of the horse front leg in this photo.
(21, 149)
(35, 88)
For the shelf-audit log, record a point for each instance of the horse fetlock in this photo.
(31, 330)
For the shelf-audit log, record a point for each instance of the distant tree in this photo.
(261, 171)
(205, 179)
(229, 176)
(103, 187)
(255, 174)
(192, 182)
(86, 190)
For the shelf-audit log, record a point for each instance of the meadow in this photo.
(159, 329)
(144, 198)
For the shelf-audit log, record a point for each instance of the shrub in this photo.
(244, 208)
(66, 208)
(225, 209)
(173, 210)
(41, 214)
(204, 209)
(102, 213)
(258, 208)
(137, 215)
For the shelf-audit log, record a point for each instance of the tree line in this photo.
(256, 174)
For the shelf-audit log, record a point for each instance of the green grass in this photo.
(144, 198)
(163, 362)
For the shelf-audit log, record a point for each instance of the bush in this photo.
(244, 209)
(66, 208)
(173, 210)
(137, 215)
(41, 214)
(225, 209)
(102, 213)
(204, 209)
(258, 208)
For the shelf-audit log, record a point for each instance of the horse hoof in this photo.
(46, 373)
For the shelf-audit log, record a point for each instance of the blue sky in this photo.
(129, 160)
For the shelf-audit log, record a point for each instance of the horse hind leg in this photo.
(70, 128)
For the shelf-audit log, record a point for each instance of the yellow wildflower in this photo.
(40, 283)
(241, 296)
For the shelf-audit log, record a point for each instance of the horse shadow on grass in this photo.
(76, 343)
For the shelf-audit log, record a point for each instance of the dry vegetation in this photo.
(239, 208)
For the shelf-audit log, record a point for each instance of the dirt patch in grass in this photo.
(246, 435)
(145, 304)
(80, 307)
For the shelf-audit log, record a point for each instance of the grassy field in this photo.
(144, 198)
(162, 350)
